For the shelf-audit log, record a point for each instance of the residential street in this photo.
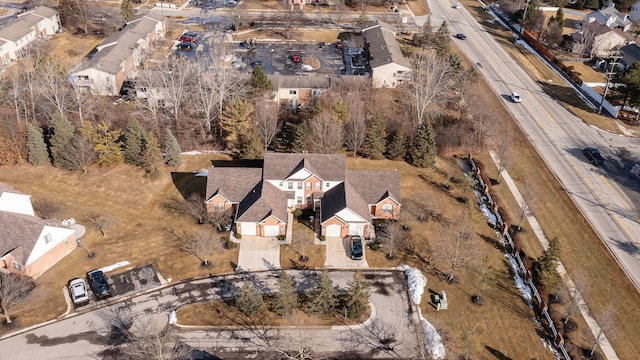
(84, 337)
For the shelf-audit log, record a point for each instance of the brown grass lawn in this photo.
(319, 35)
(71, 46)
(587, 73)
(418, 7)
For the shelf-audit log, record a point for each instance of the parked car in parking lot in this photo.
(356, 247)
(191, 34)
(99, 284)
(78, 291)
(296, 58)
(593, 155)
(256, 63)
(185, 38)
(185, 46)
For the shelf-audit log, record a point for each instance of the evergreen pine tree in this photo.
(286, 300)
(151, 156)
(545, 267)
(133, 142)
(397, 146)
(323, 299)
(249, 146)
(375, 142)
(126, 9)
(37, 154)
(249, 299)
(106, 142)
(259, 79)
(423, 152)
(427, 33)
(235, 121)
(294, 137)
(62, 131)
(357, 299)
(78, 154)
(172, 149)
(442, 40)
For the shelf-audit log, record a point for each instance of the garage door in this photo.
(333, 231)
(356, 229)
(271, 230)
(248, 228)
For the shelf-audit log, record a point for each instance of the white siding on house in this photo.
(387, 75)
(302, 174)
(16, 203)
(349, 216)
(48, 239)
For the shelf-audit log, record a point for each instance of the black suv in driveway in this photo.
(98, 284)
(356, 247)
(593, 155)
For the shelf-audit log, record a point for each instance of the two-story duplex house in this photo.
(345, 201)
(295, 90)
(29, 26)
(119, 55)
(29, 245)
(610, 17)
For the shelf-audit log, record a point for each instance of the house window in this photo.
(327, 185)
(218, 207)
(318, 185)
(387, 209)
(83, 77)
(308, 186)
(299, 185)
(308, 199)
(280, 184)
(293, 92)
(299, 199)
(290, 185)
(48, 238)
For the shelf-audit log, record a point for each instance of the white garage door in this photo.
(248, 228)
(333, 231)
(271, 230)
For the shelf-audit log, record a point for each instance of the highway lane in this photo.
(606, 195)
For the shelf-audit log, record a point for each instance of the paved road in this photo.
(606, 195)
(84, 337)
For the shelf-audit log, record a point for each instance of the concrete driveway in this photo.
(339, 254)
(258, 253)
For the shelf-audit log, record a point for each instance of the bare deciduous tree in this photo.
(529, 200)
(483, 271)
(392, 236)
(175, 80)
(13, 289)
(429, 80)
(78, 11)
(83, 103)
(504, 151)
(219, 219)
(606, 323)
(358, 91)
(53, 84)
(202, 244)
(46, 209)
(99, 222)
(456, 246)
(579, 284)
(267, 122)
(327, 132)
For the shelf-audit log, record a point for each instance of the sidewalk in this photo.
(606, 347)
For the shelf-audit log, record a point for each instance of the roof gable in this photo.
(375, 185)
(19, 230)
(232, 183)
(340, 197)
(263, 201)
(280, 166)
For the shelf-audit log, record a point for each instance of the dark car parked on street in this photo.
(98, 284)
(356, 247)
(593, 155)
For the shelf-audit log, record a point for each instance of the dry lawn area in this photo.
(309, 35)
(587, 73)
(419, 7)
(71, 46)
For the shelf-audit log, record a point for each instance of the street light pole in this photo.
(524, 17)
(606, 87)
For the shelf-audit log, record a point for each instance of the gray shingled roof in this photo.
(263, 201)
(19, 230)
(279, 166)
(118, 47)
(375, 185)
(232, 183)
(25, 22)
(299, 82)
(382, 45)
(632, 50)
(341, 197)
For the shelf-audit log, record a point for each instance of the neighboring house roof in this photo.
(299, 82)
(344, 196)
(375, 185)
(262, 201)
(19, 230)
(232, 183)
(632, 50)
(25, 22)
(118, 47)
(603, 16)
(280, 166)
(383, 47)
